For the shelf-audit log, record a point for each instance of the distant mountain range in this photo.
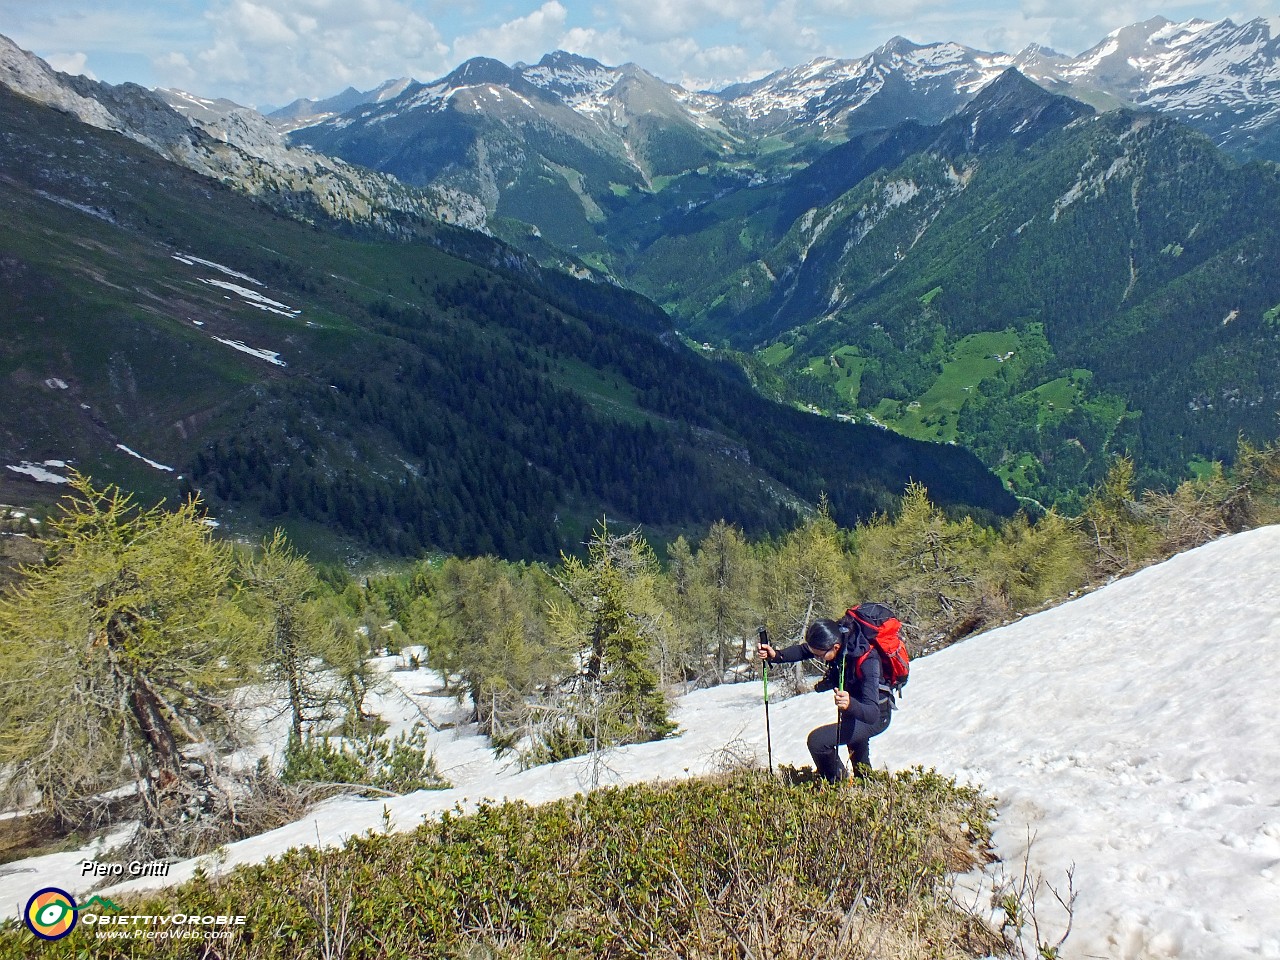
(1218, 77)
(304, 112)
(546, 150)
(373, 394)
(1047, 260)
(791, 217)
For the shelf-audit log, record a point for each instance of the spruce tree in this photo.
(611, 613)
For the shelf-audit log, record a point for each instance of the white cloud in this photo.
(76, 64)
(657, 20)
(684, 61)
(720, 66)
(260, 24)
(525, 38)
(312, 48)
(707, 44)
(791, 31)
(607, 46)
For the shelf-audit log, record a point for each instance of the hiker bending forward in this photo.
(863, 708)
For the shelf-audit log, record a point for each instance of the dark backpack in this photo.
(880, 627)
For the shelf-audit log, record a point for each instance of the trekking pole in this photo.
(768, 734)
(839, 715)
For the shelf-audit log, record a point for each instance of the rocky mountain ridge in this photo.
(1218, 76)
(235, 145)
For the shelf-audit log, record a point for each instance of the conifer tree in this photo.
(492, 636)
(302, 642)
(921, 563)
(610, 612)
(1034, 563)
(806, 578)
(723, 595)
(1114, 520)
(1255, 480)
(114, 658)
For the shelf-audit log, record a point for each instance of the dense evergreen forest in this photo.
(479, 383)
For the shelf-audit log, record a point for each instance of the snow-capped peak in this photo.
(938, 76)
(1220, 76)
(581, 82)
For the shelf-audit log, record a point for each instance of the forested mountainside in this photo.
(171, 335)
(990, 279)
(1040, 283)
(916, 274)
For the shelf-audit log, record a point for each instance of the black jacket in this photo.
(868, 702)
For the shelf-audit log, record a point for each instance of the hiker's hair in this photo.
(822, 635)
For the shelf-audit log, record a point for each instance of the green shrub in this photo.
(740, 864)
(400, 765)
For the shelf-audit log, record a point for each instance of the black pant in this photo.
(824, 745)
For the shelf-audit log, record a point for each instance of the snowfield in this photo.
(271, 356)
(1129, 736)
(250, 297)
(253, 298)
(149, 462)
(38, 471)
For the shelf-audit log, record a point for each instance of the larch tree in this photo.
(115, 658)
(493, 644)
(715, 599)
(924, 565)
(1116, 522)
(304, 651)
(806, 578)
(728, 587)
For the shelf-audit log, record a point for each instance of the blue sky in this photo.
(267, 52)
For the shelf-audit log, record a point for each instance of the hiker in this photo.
(864, 710)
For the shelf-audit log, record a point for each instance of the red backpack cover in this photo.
(882, 629)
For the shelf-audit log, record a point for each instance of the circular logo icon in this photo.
(51, 913)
